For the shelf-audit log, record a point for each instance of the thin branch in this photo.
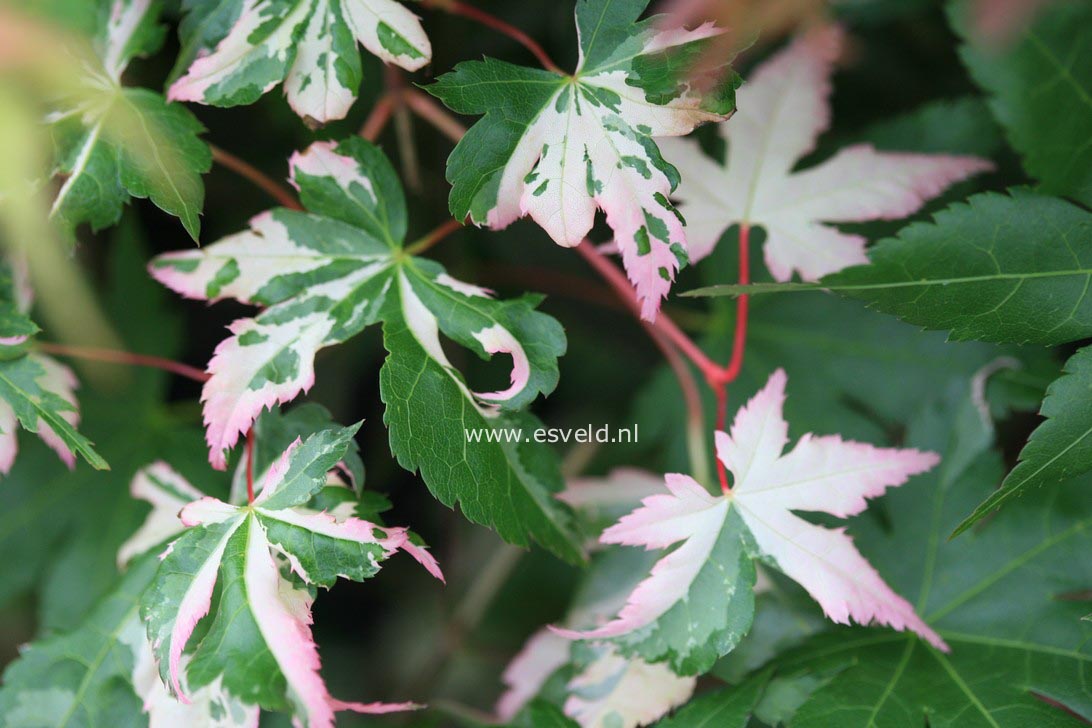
(740, 341)
(716, 376)
(277, 191)
(695, 416)
(429, 239)
(455, 7)
(124, 357)
(386, 106)
(712, 371)
(721, 392)
(434, 114)
(407, 149)
(380, 115)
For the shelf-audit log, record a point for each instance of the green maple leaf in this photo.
(1060, 448)
(324, 276)
(557, 146)
(113, 142)
(998, 597)
(1040, 84)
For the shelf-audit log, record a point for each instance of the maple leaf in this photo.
(112, 142)
(596, 686)
(323, 277)
(557, 147)
(36, 391)
(310, 45)
(1038, 83)
(223, 568)
(697, 602)
(610, 690)
(783, 109)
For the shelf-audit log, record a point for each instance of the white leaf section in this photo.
(541, 656)
(622, 488)
(389, 31)
(310, 45)
(125, 18)
(168, 493)
(209, 707)
(238, 266)
(615, 692)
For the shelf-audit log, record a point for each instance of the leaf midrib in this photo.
(93, 667)
(755, 289)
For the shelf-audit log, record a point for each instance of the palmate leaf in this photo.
(1008, 599)
(225, 572)
(102, 674)
(558, 147)
(102, 671)
(113, 142)
(1060, 448)
(698, 600)
(782, 111)
(1003, 267)
(237, 50)
(326, 275)
(1040, 87)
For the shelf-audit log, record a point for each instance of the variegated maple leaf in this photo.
(310, 45)
(246, 573)
(697, 602)
(113, 142)
(322, 277)
(557, 147)
(783, 109)
(37, 392)
(610, 691)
